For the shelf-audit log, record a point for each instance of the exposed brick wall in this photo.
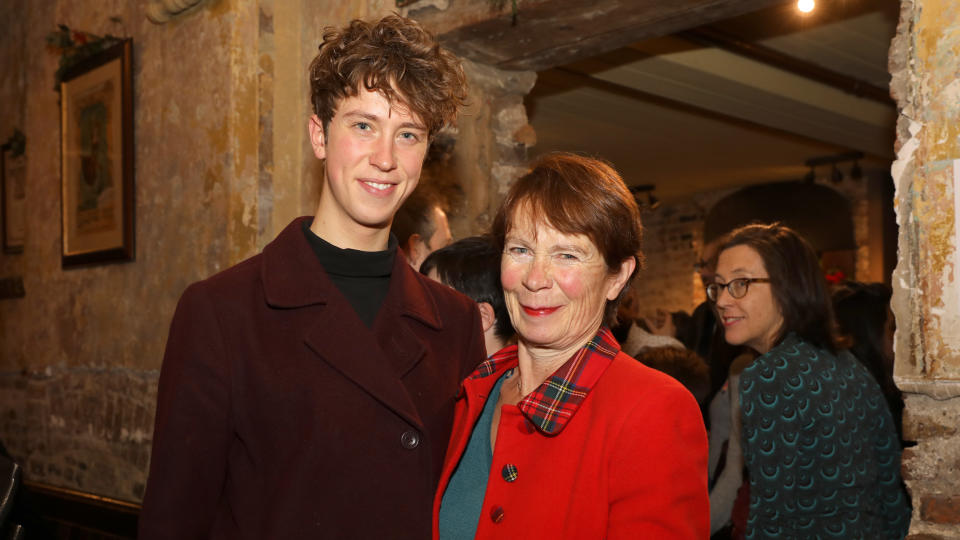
(672, 240)
(81, 428)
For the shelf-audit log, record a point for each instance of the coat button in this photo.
(496, 514)
(509, 472)
(410, 439)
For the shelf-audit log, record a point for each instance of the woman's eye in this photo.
(567, 257)
(410, 137)
(362, 126)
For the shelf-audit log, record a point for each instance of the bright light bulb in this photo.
(805, 6)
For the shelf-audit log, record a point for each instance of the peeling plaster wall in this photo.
(924, 62)
(80, 352)
(222, 163)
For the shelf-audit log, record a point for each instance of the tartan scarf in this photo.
(551, 406)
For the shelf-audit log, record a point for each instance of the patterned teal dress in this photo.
(821, 448)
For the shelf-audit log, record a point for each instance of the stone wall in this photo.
(222, 163)
(924, 62)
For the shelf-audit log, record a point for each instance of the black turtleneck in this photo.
(363, 277)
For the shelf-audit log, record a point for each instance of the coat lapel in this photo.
(338, 340)
(376, 360)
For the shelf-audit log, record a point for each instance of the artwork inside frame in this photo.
(13, 176)
(96, 168)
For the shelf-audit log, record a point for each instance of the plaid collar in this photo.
(558, 398)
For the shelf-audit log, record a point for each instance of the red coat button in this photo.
(496, 514)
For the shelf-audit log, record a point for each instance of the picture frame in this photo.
(13, 172)
(96, 167)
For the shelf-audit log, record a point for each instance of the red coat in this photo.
(630, 463)
(281, 415)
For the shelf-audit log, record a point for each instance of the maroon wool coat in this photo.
(281, 415)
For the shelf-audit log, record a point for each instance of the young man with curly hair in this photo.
(308, 391)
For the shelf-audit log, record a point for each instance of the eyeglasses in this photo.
(737, 287)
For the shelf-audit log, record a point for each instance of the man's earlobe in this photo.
(317, 141)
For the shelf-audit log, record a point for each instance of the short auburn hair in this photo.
(796, 280)
(394, 56)
(578, 195)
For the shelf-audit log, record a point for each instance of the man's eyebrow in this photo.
(362, 114)
(413, 125)
(375, 118)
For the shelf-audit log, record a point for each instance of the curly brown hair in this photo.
(394, 56)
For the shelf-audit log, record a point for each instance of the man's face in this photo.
(441, 237)
(374, 153)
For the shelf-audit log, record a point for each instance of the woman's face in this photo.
(755, 319)
(556, 285)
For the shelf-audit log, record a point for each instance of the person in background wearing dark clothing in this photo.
(472, 266)
(683, 365)
(864, 316)
(819, 443)
(308, 391)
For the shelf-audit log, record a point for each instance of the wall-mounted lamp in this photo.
(836, 175)
(651, 202)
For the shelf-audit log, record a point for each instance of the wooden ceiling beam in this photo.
(550, 33)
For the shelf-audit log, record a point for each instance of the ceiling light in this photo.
(805, 6)
(856, 172)
(835, 175)
(652, 202)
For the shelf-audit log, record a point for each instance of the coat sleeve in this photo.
(192, 428)
(658, 469)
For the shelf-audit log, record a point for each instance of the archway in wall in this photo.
(820, 214)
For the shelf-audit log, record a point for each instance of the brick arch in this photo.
(821, 214)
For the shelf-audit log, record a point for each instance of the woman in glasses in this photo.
(819, 443)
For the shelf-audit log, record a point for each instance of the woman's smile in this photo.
(539, 311)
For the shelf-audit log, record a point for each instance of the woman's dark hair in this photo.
(472, 266)
(861, 310)
(796, 280)
(578, 195)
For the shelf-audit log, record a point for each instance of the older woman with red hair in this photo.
(563, 435)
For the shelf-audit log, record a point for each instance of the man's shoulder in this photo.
(249, 272)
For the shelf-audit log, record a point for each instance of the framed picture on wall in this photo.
(96, 168)
(13, 197)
